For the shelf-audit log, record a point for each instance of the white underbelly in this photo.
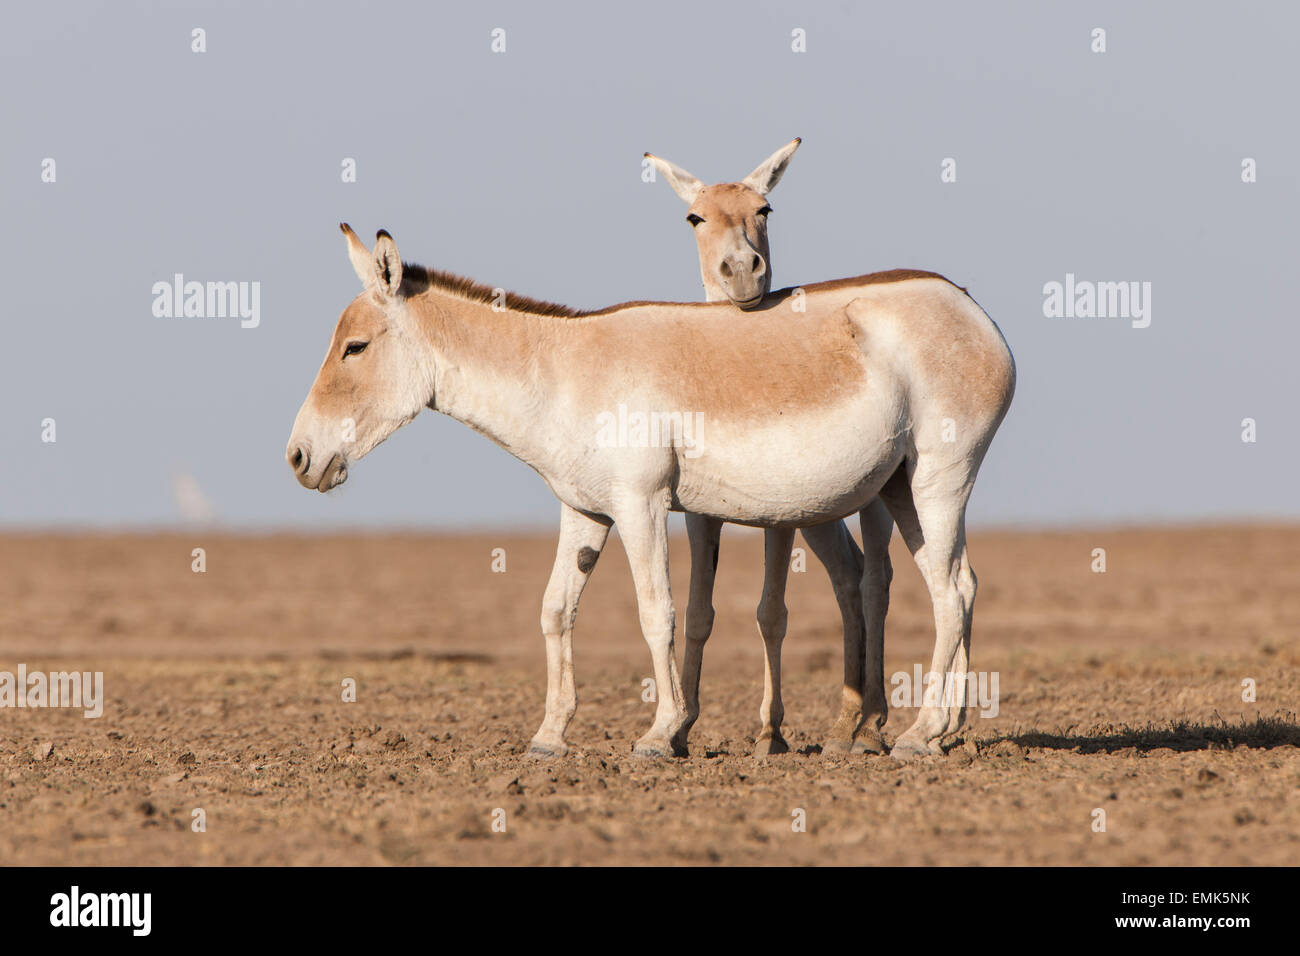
(794, 470)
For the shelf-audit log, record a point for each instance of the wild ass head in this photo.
(376, 377)
(730, 223)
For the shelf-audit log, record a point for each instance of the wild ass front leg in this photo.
(704, 535)
(772, 617)
(643, 526)
(581, 540)
(835, 548)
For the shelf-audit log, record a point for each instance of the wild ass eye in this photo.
(355, 348)
(694, 220)
(764, 211)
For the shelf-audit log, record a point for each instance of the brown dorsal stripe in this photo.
(417, 279)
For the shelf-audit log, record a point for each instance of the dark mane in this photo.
(418, 279)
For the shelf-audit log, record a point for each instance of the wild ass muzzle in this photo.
(730, 222)
(890, 384)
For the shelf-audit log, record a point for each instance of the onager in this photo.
(730, 225)
(889, 384)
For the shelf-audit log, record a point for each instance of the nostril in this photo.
(756, 266)
(725, 269)
(298, 461)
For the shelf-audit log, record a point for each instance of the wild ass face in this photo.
(376, 377)
(730, 223)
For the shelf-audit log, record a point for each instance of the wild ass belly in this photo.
(796, 470)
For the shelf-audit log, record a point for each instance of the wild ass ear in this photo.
(362, 262)
(683, 183)
(380, 270)
(387, 265)
(764, 179)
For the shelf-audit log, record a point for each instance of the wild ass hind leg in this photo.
(835, 548)
(581, 540)
(772, 618)
(705, 535)
(643, 526)
(877, 574)
(930, 509)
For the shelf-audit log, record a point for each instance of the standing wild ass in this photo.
(890, 384)
(730, 226)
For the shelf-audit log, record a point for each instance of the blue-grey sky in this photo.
(523, 169)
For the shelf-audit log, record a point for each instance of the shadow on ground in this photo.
(1263, 733)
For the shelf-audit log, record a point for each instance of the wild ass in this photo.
(890, 384)
(730, 226)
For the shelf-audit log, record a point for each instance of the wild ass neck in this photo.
(491, 370)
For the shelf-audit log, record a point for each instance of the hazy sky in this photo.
(523, 169)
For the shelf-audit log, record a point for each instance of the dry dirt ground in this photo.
(1120, 692)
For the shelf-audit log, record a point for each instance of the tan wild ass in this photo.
(891, 384)
(729, 221)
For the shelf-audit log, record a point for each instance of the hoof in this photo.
(653, 749)
(909, 749)
(543, 748)
(770, 746)
(836, 746)
(869, 742)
